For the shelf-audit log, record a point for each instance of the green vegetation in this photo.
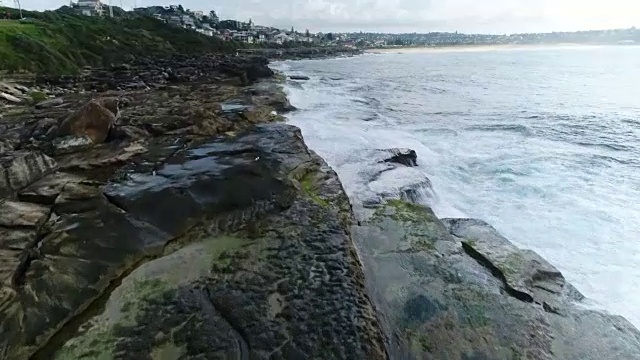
(60, 41)
(309, 187)
(409, 212)
(37, 96)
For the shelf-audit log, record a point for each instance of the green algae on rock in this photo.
(470, 294)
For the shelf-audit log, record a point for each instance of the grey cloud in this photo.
(488, 16)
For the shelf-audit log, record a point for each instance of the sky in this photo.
(469, 16)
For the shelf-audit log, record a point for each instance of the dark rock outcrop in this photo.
(257, 226)
(299, 77)
(406, 157)
(456, 289)
(45, 104)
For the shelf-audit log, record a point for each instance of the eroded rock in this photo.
(20, 214)
(20, 169)
(442, 303)
(270, 272)
(526, 274)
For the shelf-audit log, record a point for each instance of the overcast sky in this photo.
(485, 16)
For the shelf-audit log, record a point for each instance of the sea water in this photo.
(542, 143)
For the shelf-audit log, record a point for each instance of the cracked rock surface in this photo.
(456, 289)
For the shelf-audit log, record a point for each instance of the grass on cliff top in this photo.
(59, 42)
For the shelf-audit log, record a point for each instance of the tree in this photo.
(329, 36)
(307, 33)
(180, 8)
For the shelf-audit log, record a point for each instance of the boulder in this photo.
(95, 119)
(20, 169)
(457, 289)
(406, 157)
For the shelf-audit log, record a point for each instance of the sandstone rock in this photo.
(475, 296)
(95, 119)
(20, 169)
(286, 284)
(49, 103)
(106, 155)
(526, 274)
(46, 190)
(9, 98)
(19, 214)
(11, 89)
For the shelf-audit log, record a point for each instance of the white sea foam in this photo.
(543, 145)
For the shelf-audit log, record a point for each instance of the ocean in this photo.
(542, 143)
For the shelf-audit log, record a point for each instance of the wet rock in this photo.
(20, 169)
(463, 291)
(406, 157)
(119, 133)
(271, 95)
(526, 274)
(47, 190)
(44, 128)
(95, 119)
(266, 266)
(54, 279)
(419, 192)
(299, 77)
(46, 104)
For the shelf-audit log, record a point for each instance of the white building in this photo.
(281, 38)
(89, 7)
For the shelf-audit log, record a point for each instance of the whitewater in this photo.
(542, 143)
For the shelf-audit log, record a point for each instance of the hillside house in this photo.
(89, 7)
(188, 22)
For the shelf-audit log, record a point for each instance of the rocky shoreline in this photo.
(160, 209)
